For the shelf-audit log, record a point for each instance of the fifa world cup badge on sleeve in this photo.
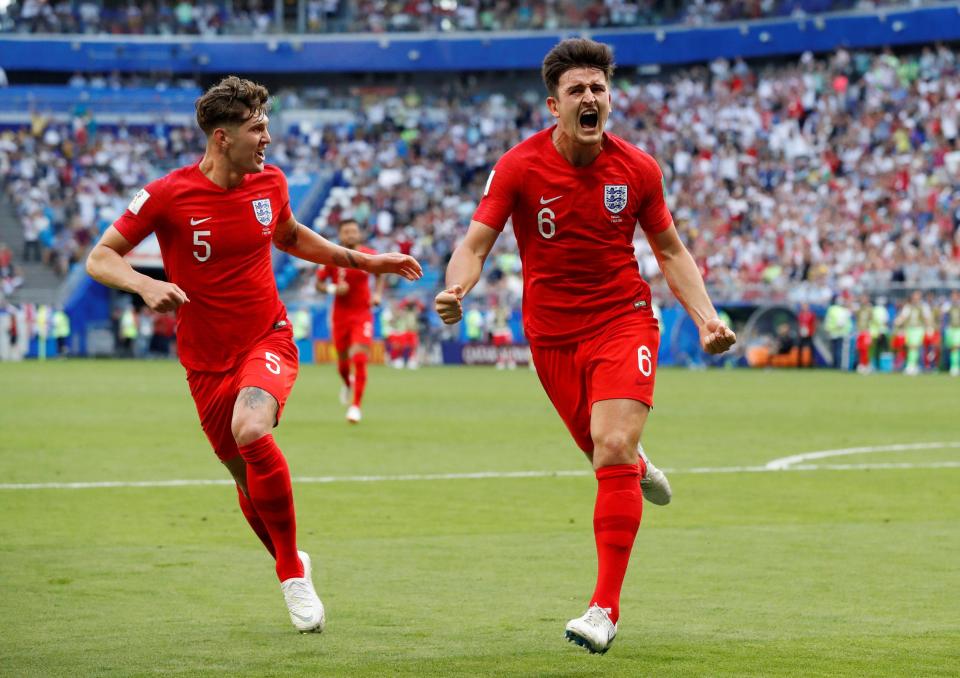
(615, 197)
(263, 211)
(141, 197)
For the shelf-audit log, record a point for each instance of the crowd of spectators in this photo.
(67, 181)
(245, 17)
(789, 182)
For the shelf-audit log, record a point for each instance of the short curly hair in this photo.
(575, 53)
(232, 101)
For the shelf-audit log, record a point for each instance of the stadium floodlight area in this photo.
(470, 52)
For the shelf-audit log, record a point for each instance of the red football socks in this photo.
(343, 367)
(256, 523)
(359, 377)
(616, 519)
(268, 484)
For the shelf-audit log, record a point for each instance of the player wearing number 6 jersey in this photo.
(215, 222)
(575, 195)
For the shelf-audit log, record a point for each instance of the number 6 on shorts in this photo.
(644, 361)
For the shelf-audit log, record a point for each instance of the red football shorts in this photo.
(619, 362)
(864, 341)
(350, 330)
(271, 364)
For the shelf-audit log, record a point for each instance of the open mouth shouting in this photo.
(261, 155)
(589, 120)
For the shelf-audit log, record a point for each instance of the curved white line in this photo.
(784, 462)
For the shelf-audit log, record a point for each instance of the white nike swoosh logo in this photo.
(547, 202)
(194, 222)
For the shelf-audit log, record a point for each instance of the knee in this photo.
(613, 447)
(248, 429)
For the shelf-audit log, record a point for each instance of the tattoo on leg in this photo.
(253, 397)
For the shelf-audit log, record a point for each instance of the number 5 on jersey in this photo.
(198, 240)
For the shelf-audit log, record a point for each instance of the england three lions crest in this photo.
(615, 197)
(263, 211)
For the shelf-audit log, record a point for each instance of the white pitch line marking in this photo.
(478, 476)
(785, 462)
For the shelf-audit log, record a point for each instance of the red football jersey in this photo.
(357, 298)
(574, 229)
(216, 246)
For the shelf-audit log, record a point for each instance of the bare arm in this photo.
(296, 239)
(107, 265)
(463, 271)
(685, 282)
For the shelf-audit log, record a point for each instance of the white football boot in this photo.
(345, 392)
(306, 610)
(654, 484)
(593, 631)
(353, 414)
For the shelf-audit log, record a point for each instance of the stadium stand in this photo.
(791, 180)
(377, 16)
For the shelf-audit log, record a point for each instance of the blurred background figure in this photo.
(915, 320)
(806, 328)
(952, 323)
(838, 324)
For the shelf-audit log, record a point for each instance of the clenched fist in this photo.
(448, 304)
(163, 296)
(715, 337)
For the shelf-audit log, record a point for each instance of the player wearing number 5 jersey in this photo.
(215, 222)
(575, 195)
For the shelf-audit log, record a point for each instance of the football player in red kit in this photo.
(352, 317)
(215, 222)
(575, 195)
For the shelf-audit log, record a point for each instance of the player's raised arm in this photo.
(463, 271)
(296, 239)
(106, 265)
(686, 283)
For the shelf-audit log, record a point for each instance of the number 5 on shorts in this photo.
(273, 362)
(645, 361)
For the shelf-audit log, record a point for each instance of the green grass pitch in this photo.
(821, 572)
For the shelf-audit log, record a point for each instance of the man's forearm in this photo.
(464, 269)
(303, 243)
(687, 286)
(109, 268)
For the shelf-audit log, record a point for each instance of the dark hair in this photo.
(575, 53)
(344, 222)
(232, 101)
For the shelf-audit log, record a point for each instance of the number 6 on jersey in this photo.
(545, 223)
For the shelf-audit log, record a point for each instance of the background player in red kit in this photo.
(352, 317)
(215, 222)
(575, 195)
